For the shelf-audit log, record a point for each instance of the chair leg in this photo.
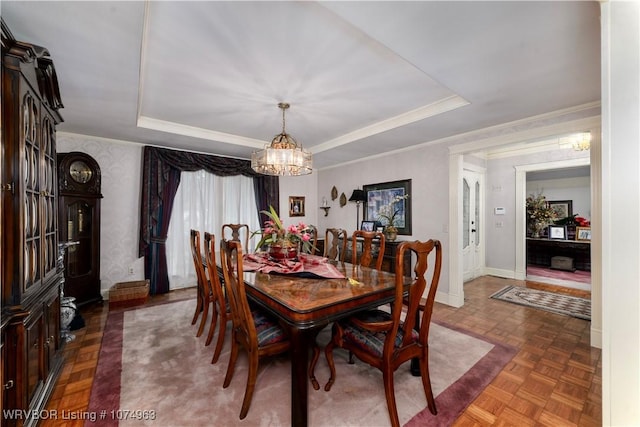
(212, 326)
(389, 392)
(221, 333)
(232, 361)
(426, 384)
(328, 352)
(312, 366)
(198, 308)
(203, 320)
(251, 385)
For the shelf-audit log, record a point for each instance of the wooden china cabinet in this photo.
(30, 278)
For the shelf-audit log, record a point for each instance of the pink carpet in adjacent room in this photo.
(579, 276)
(150, 360)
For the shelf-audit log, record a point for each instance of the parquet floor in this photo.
(554, 380)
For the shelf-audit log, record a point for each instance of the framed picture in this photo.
(389, 200)
(558, 232)
(296, 205)
(583, 233)
(368, 226)
(563, 208)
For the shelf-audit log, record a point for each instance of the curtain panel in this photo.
(161, 170)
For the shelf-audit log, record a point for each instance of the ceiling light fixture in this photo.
(581, 141)
(284, 156)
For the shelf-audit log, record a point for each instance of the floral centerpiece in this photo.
(388, 215)
(284, 242)
(539, 214)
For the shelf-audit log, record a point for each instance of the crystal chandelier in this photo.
(284, 156)
(581, 141)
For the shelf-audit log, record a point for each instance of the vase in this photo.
(391, 233)
(284, 250)
(536, 229)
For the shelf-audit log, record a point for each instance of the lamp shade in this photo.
(358, 196)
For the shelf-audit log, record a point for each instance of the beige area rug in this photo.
(152, 370)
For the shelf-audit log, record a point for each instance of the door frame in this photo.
(521, 201)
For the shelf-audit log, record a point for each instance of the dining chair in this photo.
(204, 294)
(253, 330)
(335, 244)
(313, 242)
(382, 339)
(235, 232)
(365, 256)
(220, 306)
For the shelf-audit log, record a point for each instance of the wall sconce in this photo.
(358, 196)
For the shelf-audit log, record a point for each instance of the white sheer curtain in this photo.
(204, 202)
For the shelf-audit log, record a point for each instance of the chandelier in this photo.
(283, 157)
(581, 141)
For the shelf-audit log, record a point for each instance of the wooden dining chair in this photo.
(237, 232)
(220, 306)
(365, 256)
(204, 295)
(253, 330)
(387, 340)
(335, 244)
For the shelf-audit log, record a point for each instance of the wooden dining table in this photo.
(306, 305)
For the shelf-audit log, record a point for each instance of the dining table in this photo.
(308, 298)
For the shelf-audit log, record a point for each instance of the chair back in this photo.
(237, 232)
(422, 252)
(212, 269)
(198, 264)
(334, 247)
(365, 257)
(313, 241)
(232, 269)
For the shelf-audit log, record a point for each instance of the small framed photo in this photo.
(558, 232)
(296, 205)
(368, 226)
(583, 233)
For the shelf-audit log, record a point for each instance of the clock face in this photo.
(80, 172)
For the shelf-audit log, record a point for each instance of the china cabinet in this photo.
(31, 280)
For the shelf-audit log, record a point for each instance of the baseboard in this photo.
(498, 272)
(456, 301)
(596, 337)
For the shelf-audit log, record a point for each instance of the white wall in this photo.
(620, 213)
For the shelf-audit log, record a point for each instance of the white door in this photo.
(472, 234)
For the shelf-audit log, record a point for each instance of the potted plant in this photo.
(283, 242)
(387, 215)
(539, 214)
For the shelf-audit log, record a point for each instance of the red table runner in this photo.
(305, 265)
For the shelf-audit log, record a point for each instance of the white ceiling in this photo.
(362, 78)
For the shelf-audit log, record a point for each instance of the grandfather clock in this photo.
(79, 218)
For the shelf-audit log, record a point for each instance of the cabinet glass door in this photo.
(79, 229)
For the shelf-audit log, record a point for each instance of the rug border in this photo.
(507, 288)
(469, 386)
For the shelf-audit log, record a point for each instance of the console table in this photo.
(540, 252)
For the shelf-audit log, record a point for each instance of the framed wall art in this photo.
(296, 205)
(563, 208)
(389, 202)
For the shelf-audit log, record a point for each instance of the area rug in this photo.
(152, 370)
(549, 301)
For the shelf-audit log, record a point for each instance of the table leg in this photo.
(299, 383)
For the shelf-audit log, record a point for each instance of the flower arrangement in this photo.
(574, 220)
(389, 213)
(274, 232)
(539, 213)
